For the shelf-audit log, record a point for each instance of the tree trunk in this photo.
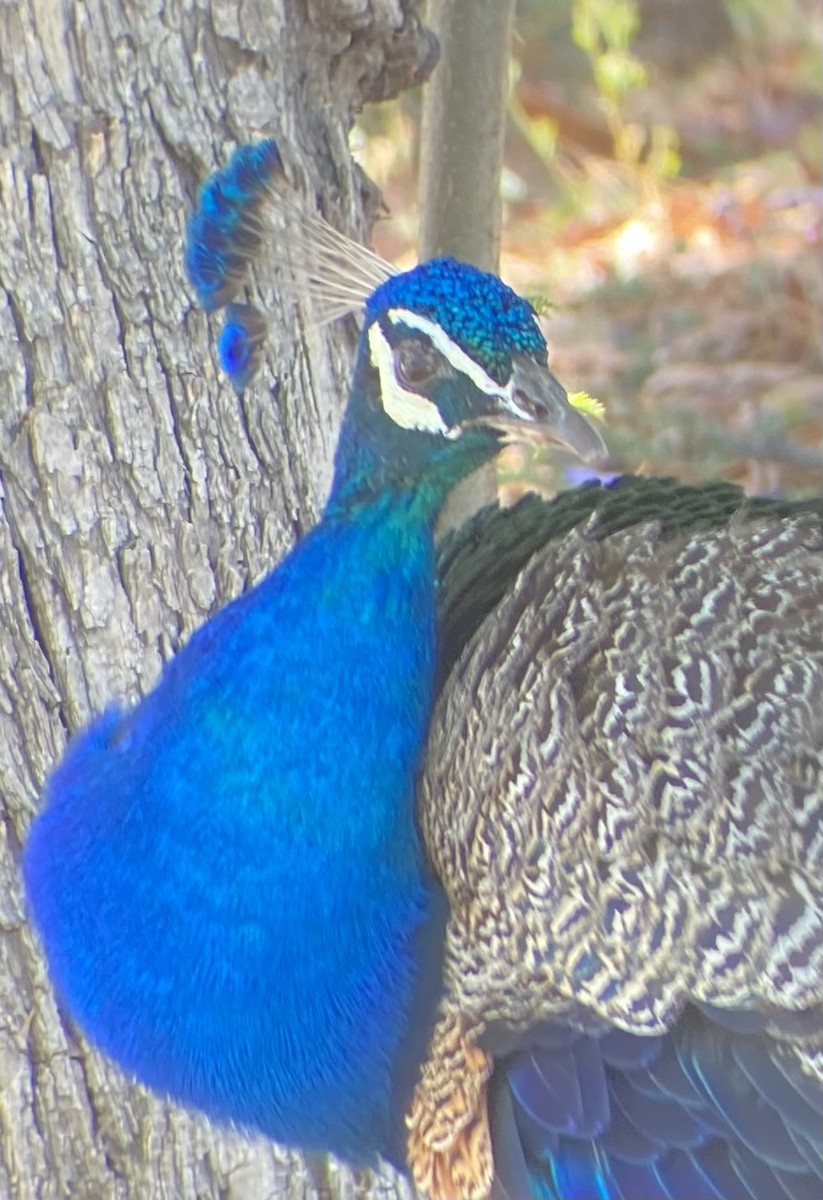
(137, 492)
(464, 120)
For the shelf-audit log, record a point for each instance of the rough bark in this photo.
(137, 493)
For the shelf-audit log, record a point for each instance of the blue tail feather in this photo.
(633, 1180)
(798, 1185)
(683, 1175)
(625, 1141)
(759, 1068)
(712, 1115)
(551, 1096)
(581, 1172)
(541, 1140)
(667, 1074)
(513, 1178)
(810, 1089)
(735, 1020)
(628, 1052)
(593, 1087)
(715, 1163)
(810, 1150)
(662, 1119)
(756, 1174)
(755, 1122)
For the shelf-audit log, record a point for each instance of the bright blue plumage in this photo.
(476, 310)
(225, 232)
(241, 342)
(228, 880)
(209, 918)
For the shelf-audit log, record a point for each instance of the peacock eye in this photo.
(416, 362)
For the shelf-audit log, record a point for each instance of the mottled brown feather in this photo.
(642, 824)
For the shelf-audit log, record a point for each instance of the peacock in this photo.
(306, 886)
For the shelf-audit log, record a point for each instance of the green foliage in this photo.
(540, 302)
(605, 30)
(539, 131)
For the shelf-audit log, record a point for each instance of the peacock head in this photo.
(451, 364)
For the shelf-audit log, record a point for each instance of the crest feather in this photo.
(248, 212)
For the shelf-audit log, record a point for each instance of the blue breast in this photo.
(228, 881)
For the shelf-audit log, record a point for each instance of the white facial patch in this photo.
(452, 353)
(407, 409)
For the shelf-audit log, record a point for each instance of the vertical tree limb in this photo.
(464, 113)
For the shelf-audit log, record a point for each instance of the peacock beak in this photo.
(536, 409)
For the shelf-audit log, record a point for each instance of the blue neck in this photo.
(377, 460)
(228, 878)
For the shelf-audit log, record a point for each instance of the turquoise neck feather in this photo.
(264, 792)
(413, 471)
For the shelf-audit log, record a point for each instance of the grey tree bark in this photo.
(137, 493)
(464, 116)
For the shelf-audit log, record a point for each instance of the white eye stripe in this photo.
(407, 409)
(453, 354)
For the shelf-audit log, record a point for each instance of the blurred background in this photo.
(662, 208)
